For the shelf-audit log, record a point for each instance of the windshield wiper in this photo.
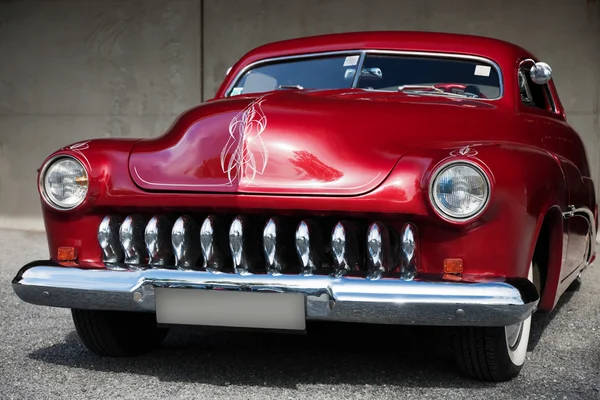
(420, 88)
(430, 90)
(291, 87)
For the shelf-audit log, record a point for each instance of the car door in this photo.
(567, 147)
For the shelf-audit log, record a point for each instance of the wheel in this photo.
(117, 334)
(494, 354)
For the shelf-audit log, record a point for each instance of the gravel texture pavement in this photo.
(42, 358)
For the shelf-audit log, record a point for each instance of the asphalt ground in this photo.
(42, 358)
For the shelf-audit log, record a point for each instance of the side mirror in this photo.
(541, 73)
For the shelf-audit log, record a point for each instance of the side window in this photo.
(532, 94)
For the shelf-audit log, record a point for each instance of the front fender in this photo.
(526, 183)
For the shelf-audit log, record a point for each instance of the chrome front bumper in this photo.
(383, 301)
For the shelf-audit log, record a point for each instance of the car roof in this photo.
(495, 49)
(503, 53)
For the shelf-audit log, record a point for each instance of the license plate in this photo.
(285, 311)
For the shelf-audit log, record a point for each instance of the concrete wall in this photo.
(73, 70)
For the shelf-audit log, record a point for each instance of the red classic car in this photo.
(371, 177)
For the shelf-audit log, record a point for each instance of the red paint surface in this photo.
(364, 154)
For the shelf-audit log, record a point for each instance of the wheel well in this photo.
(541, 254)
(547, 254)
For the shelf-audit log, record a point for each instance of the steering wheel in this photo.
(448, 87)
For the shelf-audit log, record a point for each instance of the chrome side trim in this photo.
(570, 213)
(363, 53)
(348, 299)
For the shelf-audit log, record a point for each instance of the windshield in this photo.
(424, 75)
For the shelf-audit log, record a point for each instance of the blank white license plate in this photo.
(284, 311)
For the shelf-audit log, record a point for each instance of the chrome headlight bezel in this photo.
(42, 185)
(444, 214)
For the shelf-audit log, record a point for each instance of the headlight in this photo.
(64, 183)
(459, 190)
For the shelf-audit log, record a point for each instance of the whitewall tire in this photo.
(498, 353)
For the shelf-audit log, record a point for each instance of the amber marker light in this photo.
(66, 254)
(453, 266)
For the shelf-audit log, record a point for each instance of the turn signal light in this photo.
(66, 254)
(453, 266)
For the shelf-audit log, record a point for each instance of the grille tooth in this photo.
(309, 246)
(108, 238)
(185, 239)
(279, 246)
(378, 250)
(158, 244)
(213, 241)
(408, 255)
(270, 241)
(131, 235)
(344, 245)
(236, 245)
(244, 244)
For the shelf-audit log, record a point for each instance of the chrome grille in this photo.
(244, 244)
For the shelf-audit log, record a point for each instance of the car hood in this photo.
(297, 142)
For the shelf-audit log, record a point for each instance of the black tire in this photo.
(482, 352)
(117, 334)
